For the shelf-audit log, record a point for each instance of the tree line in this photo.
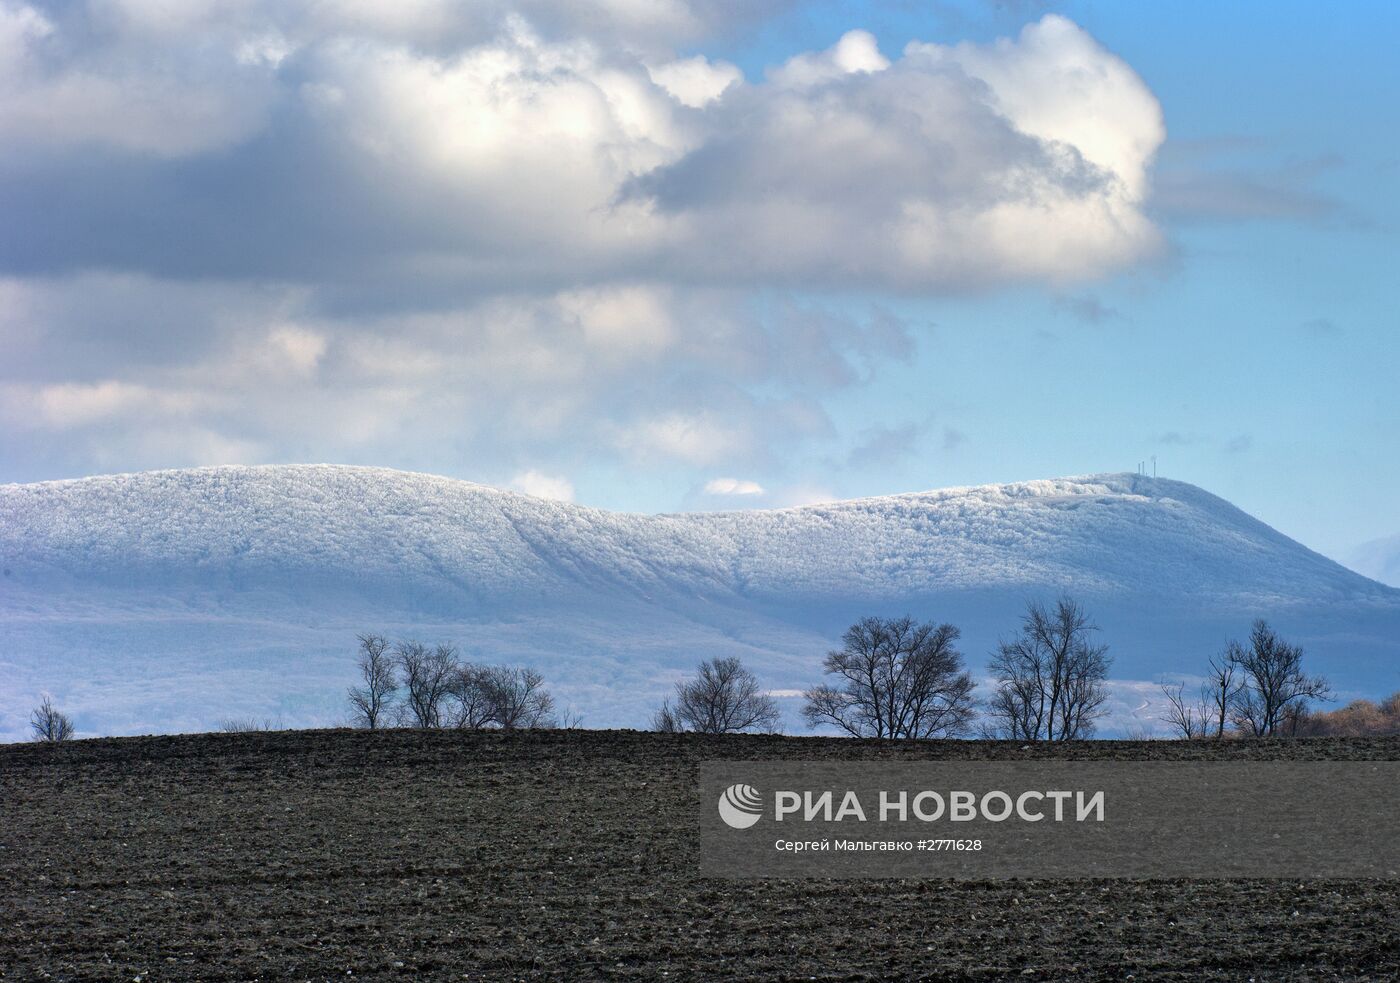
(410, 684)
(897, 678)
(892, 678)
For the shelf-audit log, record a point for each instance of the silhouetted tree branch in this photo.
(1050, 678)
(895, 679)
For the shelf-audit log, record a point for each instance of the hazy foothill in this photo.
(893, 678)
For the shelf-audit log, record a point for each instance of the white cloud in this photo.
(856, 53)
(950, 167)
(695, 81)
(732, 486)
(623, 318)
(514, 154)
(171, 102)
(349, 231)
(293, 350)
(514, 382)
(1057, 83)
(698, 438)
(73, 405)
(543, 486)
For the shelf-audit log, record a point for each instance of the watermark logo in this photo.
(740, 806)
(986, 820)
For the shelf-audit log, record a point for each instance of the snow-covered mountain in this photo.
(167, 600)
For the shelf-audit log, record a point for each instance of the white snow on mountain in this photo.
(168, 600)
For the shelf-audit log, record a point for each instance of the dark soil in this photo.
(571, 855)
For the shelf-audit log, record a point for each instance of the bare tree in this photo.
(1221, 686)
(1209, 714)
(370, 704)
(427, 676)
(1049, 679)
(721, 698)
(1274, 691)
(472, 693)
(1187, 720)
(49, 724)
(896, 679)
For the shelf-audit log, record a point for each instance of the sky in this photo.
(698, 254)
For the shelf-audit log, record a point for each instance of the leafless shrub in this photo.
(570, 719)
(1208, 714)
(518, 698)
(722, 698)
(665, 721)
(249, 725)
(1188, 720)
(49, 724)
(896, 679)
(1273, 694)
(371, 704)
(1050, 679)
(508, 697)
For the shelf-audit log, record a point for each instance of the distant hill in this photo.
(167, 600)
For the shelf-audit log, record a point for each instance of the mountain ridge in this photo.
(256, 574)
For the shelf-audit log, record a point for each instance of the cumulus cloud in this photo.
(857, 53)
(398, 233)
(524, 156)
(732, 486)
(695, 81)
(949, 168)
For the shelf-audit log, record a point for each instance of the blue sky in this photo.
(1260, 359)
(663, 260)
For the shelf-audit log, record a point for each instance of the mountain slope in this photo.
(167, 599)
